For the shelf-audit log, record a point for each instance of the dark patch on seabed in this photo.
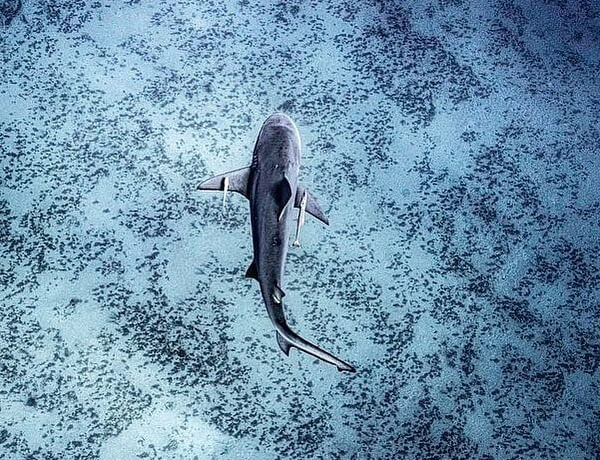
(8, 11)
(454, 146)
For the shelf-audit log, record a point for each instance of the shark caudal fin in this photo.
(311, 206)
(235, 181)
(286, 339)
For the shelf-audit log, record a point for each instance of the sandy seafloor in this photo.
(454, 146)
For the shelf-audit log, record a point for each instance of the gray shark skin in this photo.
(271, 185)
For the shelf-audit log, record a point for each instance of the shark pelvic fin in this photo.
(312, 206)
(252, 271)
(235, 181)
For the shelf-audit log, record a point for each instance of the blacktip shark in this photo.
(271, 185)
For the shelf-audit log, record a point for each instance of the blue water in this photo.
(454, 146)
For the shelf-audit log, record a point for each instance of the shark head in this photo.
(280, 119)
(281, 136)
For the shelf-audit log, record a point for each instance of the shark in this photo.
(273, 190)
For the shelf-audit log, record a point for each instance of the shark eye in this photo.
(276, 241)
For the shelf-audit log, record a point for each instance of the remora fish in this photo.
(271, 185)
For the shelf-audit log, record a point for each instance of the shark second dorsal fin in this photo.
(312, 206)
(278, 294)
(236, 181)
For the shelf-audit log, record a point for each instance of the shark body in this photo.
(271, 185)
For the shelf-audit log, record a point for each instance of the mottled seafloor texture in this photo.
(455, 147)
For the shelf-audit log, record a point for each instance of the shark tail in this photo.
(287, 338)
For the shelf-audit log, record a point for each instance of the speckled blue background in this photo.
(455, 147)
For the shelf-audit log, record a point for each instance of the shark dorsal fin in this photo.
(283, 195)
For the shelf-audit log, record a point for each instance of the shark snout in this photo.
(280, 119)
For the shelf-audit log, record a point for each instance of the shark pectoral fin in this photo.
(312, 205)
(283, 195)
(283, 344)
(252, 271)
(225, 188)
(277, 294)
(235, 181)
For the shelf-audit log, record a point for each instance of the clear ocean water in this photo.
(454, 146)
